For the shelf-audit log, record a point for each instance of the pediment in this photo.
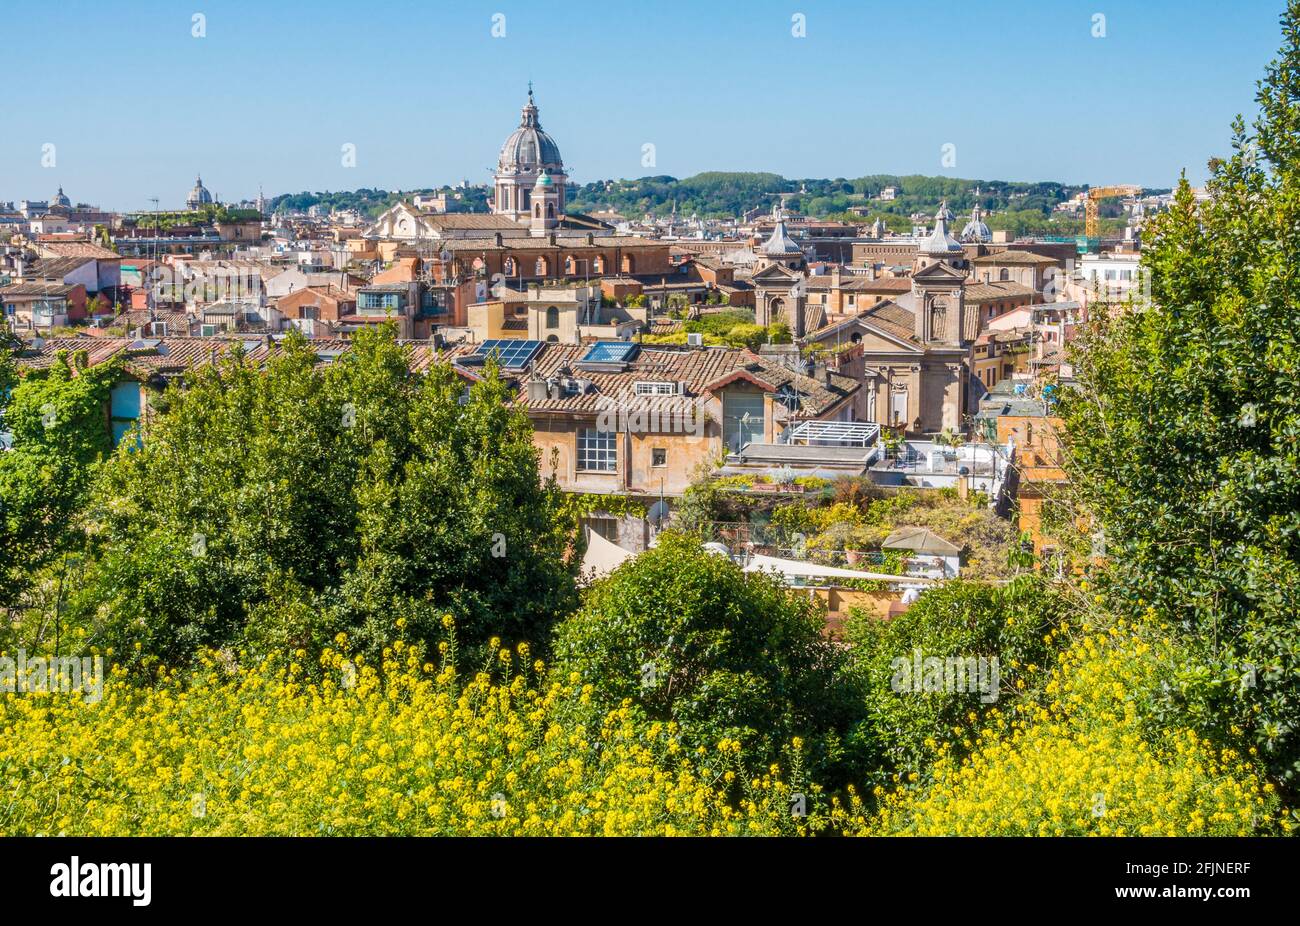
(401, 222)
(939, 273)
(775, 273)
(877, 340)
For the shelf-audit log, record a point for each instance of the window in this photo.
(742, 419)
(659, 456)
(597, 451)
(540, 269)
(552, 317)
(124, 408)
(605, 526)
(1004, 275)
(655, 388)
(898, 407)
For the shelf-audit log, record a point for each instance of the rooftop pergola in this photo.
(834, 433)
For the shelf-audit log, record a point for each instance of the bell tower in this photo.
(939, 298)
(546, 206)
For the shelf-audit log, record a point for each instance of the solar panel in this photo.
(610, 352)
(510, 353)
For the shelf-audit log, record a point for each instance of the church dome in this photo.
(199, 196)
(529, 148)
(975, 229)
(60, 199)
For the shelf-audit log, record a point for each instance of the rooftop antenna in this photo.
(149, 293)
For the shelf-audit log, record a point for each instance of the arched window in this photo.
(598, 264)
(537, 214)
(629, 265)
(510, 266)
(552, 317)
(541, 268)
(569, 265)
(550, 210)
(552, 339)
(1005, 274)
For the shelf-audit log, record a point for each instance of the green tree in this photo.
(959, 620)
(57, 419)
(276, 506)
(1183, 440)
(689, 637)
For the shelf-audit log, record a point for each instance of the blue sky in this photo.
(135, 105)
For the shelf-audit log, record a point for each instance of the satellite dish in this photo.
(658, 513)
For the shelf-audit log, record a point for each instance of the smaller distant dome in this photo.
(60, 199)
(975, 229)
(544, 180)
(199, 196)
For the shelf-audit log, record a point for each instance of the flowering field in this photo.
(404, 748)
(410, 748)
(1081, 760)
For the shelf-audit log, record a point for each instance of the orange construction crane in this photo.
(1096, 195)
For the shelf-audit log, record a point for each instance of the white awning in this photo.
(602, 557)
(791, 568)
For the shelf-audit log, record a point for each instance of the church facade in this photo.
(913, 352)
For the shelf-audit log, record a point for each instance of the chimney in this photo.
(550, 239)
(497, 238)
(537, 390)
(591, 238)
